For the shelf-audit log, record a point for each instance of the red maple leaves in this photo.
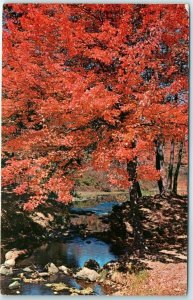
(81, 83)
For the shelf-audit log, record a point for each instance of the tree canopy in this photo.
(90, 85)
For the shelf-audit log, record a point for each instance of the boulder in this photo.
(65, 270)
(11, 254)
(52, 269)
(43, 274)
(92, 264)
(14, 285)
(74, 294)
(87, 291)
(10, 263)
(5, 270)
(28, 270)
(87, 274)
(57, 287)
(14, 253)
(34, 275)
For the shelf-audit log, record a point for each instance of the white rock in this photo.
(28, 270)
(10, 262)
(87, 274)
(64, 269)
(5, 270)
(43, 274)
(52, 269)
(14, 253)
(14, 285)
(10, 254)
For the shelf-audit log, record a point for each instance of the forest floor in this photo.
(163, 227)
(160, 279)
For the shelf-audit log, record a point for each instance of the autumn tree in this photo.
(100, 85)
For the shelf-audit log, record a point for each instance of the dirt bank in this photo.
(160, 279)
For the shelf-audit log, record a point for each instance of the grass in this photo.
(142, 276)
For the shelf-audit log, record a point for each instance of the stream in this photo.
(72, 251)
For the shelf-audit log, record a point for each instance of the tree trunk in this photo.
(175, 183)
(131, 169)
(135, 194)
(170, 167)
(160, 164)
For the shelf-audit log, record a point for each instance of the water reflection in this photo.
(99, 209)
(73, 253)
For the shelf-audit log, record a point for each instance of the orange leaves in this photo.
(7, 130)
(111, 116)
(33, 202)
(82, 83)
(61, 187)
(119, 177)
(148, 172)
(92, 104)
(21, 189)
(102, 55)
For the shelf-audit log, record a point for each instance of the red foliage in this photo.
(89, 79)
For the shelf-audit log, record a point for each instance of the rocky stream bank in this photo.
(86, 249)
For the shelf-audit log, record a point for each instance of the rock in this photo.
(50, 217)
(92, 264)
(57, 287)
(65, 270)
(14, 253)
(87, 274)
(88, 242)
(21, 275)
(34, 275)
(41, 219)
(28, 270)
(33, 280)
(43, 274)
(74, 291)
(52, 269)
(10, 254)
(17, 292)
(5, 270)
(87, 291)
(74, 294)
(10, 262)
(14, 285)
(129, 227)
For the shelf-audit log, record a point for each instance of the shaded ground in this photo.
(163, 248)
(162, 226)
(161, 280)
(28, 229)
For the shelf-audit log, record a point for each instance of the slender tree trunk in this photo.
(171, 167)
(135, 194)
(131, 169)
(175, 183)
(160, 164)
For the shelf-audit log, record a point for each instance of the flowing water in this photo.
(72, 252)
